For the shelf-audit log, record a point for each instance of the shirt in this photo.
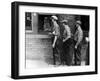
(78, 36)
(56, 29)
(67, 32)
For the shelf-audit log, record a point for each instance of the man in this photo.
(57, 41)
(78, 36)
(68, 44)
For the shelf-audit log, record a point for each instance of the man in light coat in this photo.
(57, 41)
(78, 36)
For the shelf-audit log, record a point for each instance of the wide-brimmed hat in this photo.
(54, 17)
(79, 22)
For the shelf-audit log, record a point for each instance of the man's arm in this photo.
(68, 34)
(56, 33)
(55, 39)
(80, 37)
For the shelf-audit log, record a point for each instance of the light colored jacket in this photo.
(56, 29)
(78, 36)
(67, 32)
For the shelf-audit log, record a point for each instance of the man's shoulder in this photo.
(67, 27)
(79, 28)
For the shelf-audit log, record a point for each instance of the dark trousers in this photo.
(77, 55)
(87, 55)
(68, 48)
(58, 51)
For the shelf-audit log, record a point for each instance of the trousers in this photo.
(58, 50)
(68, 48)
(77, 55)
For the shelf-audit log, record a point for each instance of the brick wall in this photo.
(38, 47)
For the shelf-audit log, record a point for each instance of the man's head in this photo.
(64, 22)
(54, 18)
(78, 23)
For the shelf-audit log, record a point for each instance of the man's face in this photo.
(77, 25)
(63, 24)
(52, 20)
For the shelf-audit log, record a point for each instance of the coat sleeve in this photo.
(57, 32)
(80, 35)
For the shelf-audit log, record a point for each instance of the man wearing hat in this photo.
(68, 45)
(78, 36)
(57, 41)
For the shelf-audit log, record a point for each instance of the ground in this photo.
(39, 52)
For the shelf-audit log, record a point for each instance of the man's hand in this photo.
(64, 40)
(75, 46)
(53, 45)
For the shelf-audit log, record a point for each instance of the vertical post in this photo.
(35, 23)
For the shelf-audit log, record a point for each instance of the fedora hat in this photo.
(54, 17)
(79, 22)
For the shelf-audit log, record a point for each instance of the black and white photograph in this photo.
(51, 40)
(56, 40)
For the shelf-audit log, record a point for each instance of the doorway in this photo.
(44, 23)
